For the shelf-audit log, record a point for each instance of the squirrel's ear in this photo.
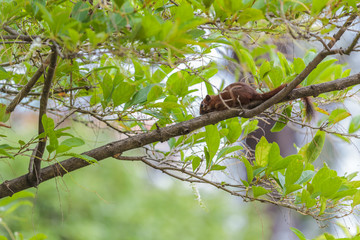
(208, 98)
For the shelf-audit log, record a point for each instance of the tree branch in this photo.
(35, 161)
(8, 188)
(16, 35)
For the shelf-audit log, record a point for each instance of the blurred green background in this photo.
(124, 200)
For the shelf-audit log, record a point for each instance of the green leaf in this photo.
(314, 75)
(73, 142)
(248, 59)
(195, 162)
(318, 5)
(16, 196)
(356, 199)
(245, 183)
(313, 150)
(228, 150)
(217, 167)
(284, 63)
(299, 234)
(177, 84)
(234, 131)
(354, 124)
(259, 170)
(330, 186)
(291, 188)
(258, 191)
(293, 172)
(212, 139)
(207, 157)
(5, 153)
(46, 15)
(39, 236)
(166, 105)
(123, 93)
(250, 14)
(51, 148)
(354, 184)
(249, 169)
(207, 3)
(276, 75)
(139, 72)
(281, 123)
(80, 12)
(140, 97)
(4, 116)
(299, 65)
(274, 155)
(337, 115)
(262, 152)
(322, 205)
(119, 3)
(154, 93)
(209, 89)
(305, 198)
(344, 193)
(281, 179)
(86, 158)
(107, 87)
(223, 132)
(305, 176)
(352, 3)
(49, 126)
(6, 146)
(62, 148)
(264, 69)
(249, 126)
(283, 163)
(322, 175)
(4, 74)
(161, 73)
(328, 236)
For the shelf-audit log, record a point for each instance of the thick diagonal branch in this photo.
(59, 169)
(35, 161)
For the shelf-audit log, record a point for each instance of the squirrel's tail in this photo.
(309, 107)
(267, 95)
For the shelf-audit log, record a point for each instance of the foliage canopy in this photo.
(140, 67)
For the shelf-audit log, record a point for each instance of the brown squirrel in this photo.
(240, 94)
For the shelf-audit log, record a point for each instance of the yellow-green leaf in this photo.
(258, 191)
(314, 148)
(262, 152)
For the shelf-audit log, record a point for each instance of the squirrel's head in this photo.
(205, 106)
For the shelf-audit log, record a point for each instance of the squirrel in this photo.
(240, 94)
